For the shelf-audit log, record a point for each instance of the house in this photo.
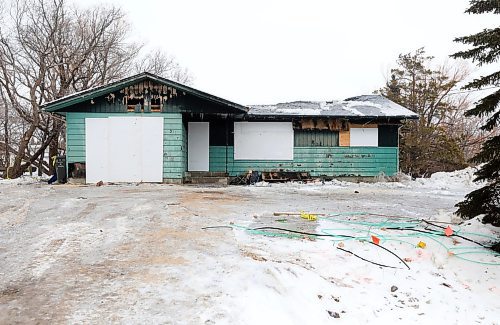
(146, 128)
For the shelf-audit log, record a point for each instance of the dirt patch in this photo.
(9, 292)
(88, 209)
(54, 245)
(254, 256)
(173, 234)
(198, 198)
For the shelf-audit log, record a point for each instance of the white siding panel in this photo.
(152, 149)
(96, 149)
(124, 149)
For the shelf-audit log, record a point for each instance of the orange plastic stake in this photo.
(448, 231)
(375, 240)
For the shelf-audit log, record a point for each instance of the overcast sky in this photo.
(269, 51)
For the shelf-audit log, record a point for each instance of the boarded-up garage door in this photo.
(124, 149)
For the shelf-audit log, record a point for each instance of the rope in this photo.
(364, 229)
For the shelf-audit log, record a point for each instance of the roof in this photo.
(366, 106)
(82, 96)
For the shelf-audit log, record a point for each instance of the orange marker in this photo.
(375, 240)
(448, 231)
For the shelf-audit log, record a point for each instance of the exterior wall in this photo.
(174, 140)
(329, 161)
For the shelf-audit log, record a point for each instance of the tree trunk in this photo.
(40, 163)
(53, 151)
(6, 130)
(17, 170)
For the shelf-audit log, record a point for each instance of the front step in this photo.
(207, 180)
(217, 178)
(205, 174)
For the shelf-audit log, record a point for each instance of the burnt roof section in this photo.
(366, 106)
(60, 104)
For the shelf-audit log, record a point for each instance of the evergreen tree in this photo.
(485, 50)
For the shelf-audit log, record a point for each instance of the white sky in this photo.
(269, 51)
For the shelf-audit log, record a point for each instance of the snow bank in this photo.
(441, 183)
(449, 180)
(300, 281)
(23, 180)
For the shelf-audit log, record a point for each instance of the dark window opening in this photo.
(156, 99)
(135, 104)
(76, 170)
(316, 138)
(388, 135)
(221, 133)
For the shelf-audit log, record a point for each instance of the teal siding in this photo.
(184, 147)
(329, 161)
(75, 137)
(174, 140)
(173, 145)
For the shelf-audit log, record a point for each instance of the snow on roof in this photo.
(360, 106)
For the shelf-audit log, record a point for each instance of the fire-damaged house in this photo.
(149, 129)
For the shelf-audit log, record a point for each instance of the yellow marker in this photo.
(307, 216)
(421, 244)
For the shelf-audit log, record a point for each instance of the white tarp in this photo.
(364, 137)
(198, 142)
(124, 149)
(263, 141)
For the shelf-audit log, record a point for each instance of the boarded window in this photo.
(364, 137)
(263, 141)
(316, 138)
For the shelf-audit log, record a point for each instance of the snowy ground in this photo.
(138, 254)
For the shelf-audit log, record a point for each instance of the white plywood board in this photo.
(198, 145)
(152, 149)
(364, 137)
(124, 149)
(96, 149)
(263, 141)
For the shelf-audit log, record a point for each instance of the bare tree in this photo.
(160, 63)
(4, 115)
(50, 51)
(4, 161)
(466, 131)
(434, 142)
